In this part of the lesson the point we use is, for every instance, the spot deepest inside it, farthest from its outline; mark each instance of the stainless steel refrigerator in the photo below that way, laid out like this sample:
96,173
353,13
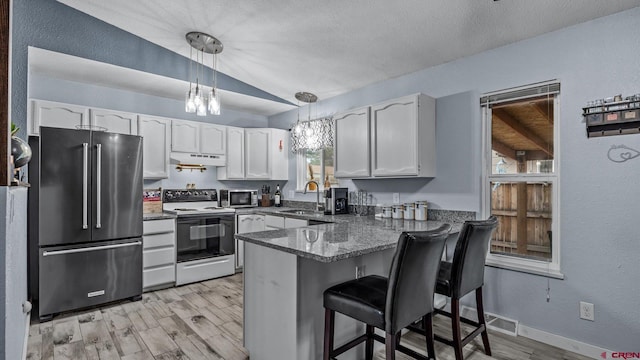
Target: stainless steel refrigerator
85,219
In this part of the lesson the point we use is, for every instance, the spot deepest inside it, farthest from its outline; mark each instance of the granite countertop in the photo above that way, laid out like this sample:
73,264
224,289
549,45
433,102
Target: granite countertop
344,236
158,216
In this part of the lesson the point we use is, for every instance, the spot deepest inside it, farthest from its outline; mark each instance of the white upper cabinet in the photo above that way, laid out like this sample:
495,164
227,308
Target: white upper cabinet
257,152
213,139
403,139
52,114
185,136
279,150
351,144
115,121
235,155
156,133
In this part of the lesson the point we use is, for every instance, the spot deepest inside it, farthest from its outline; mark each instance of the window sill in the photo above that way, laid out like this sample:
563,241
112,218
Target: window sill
524,267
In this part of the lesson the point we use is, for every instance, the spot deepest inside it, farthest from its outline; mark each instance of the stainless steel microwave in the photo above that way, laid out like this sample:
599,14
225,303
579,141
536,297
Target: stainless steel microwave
238,198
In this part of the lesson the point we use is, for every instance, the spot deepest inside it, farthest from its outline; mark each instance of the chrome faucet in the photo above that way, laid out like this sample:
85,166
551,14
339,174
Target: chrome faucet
318,206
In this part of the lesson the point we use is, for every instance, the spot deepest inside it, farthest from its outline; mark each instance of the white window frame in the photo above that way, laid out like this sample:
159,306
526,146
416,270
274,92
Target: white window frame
538,267
301,172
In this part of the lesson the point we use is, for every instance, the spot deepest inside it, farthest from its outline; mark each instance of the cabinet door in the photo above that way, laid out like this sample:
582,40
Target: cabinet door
273,222
351,144
156,133
115,121
394,126
213,139
185,136
258,153
279,154
235,154
52,114
245,224
292,223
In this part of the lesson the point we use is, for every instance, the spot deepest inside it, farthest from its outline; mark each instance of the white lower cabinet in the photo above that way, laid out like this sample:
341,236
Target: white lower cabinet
281,222
158,253
291,223
246,224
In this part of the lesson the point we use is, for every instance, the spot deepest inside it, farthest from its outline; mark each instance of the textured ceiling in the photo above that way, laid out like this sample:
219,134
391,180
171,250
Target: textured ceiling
334,46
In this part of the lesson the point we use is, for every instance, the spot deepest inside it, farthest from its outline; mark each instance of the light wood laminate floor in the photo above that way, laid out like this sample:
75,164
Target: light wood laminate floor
204,321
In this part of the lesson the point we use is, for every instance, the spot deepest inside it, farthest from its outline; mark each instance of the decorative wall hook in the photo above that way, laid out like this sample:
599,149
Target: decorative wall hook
622,153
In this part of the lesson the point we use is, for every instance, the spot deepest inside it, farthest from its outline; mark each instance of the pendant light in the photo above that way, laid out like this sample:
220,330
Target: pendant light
311,134
196,100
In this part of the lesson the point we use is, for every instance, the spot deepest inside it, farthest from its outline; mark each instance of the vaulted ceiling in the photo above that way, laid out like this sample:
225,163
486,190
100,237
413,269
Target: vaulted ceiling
334,46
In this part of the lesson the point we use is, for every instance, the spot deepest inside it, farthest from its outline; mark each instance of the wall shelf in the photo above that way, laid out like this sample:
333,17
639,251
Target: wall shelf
613,118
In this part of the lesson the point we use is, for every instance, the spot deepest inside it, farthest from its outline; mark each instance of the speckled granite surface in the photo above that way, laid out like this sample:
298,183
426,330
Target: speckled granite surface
344,236
158,216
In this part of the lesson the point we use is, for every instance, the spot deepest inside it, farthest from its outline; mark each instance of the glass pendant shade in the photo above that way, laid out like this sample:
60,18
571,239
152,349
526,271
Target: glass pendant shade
214,102
189,104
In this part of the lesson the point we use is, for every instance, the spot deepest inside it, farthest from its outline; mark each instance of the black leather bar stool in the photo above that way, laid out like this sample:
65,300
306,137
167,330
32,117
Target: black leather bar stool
390,303
462,276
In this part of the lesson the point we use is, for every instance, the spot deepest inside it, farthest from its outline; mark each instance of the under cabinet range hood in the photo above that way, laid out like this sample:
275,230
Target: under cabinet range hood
198,159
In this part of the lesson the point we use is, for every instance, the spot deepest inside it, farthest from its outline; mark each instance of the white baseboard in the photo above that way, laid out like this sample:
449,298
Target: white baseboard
26,336
561,342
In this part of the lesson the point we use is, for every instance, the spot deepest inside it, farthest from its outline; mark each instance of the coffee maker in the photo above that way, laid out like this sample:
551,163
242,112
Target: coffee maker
336,201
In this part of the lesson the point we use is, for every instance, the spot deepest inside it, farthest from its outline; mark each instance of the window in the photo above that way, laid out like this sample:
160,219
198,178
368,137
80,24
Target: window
315,165
521,177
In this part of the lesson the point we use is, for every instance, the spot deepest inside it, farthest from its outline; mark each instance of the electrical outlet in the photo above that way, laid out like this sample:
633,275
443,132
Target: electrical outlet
586,311
292,194
396,198
359,271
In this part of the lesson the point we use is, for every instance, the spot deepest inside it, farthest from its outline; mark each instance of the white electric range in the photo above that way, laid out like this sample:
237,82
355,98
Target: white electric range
205,245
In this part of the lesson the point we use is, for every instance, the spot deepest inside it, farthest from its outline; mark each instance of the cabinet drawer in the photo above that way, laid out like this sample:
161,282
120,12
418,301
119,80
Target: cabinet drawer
158,226
157,240
155,257
158,276
192,271
274,221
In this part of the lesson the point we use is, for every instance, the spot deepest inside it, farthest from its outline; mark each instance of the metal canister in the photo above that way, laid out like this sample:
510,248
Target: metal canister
386,212
409,209
421,210
397,212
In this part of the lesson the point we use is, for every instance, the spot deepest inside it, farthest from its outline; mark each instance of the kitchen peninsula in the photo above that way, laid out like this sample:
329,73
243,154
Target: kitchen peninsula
287,270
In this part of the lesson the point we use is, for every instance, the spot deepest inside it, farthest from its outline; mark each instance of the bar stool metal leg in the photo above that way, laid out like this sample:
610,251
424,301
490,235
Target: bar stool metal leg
329,319
427,324
481,321
369,343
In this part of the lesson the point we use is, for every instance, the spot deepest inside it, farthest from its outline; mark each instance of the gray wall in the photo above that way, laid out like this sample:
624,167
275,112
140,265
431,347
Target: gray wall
598,198
13,252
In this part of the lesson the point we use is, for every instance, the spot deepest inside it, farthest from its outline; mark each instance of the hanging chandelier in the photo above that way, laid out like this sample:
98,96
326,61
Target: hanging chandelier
196,101
311,134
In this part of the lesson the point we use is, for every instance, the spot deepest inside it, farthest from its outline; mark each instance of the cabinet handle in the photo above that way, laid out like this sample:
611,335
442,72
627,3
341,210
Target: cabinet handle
85,183
93,248
98,185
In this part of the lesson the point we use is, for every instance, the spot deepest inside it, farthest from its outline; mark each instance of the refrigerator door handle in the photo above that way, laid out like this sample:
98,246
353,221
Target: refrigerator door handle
85,184
93,248
98,184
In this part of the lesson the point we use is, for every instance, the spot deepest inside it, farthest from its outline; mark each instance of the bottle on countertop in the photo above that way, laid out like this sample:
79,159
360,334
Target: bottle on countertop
277,196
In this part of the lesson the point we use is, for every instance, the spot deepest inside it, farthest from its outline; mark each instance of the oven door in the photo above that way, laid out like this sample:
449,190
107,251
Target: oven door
204,236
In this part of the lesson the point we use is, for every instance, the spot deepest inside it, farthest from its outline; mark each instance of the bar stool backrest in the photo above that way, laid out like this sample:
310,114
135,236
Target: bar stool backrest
412,277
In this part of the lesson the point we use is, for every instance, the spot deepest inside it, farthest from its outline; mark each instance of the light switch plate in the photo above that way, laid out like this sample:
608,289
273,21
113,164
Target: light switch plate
292,194
396,198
